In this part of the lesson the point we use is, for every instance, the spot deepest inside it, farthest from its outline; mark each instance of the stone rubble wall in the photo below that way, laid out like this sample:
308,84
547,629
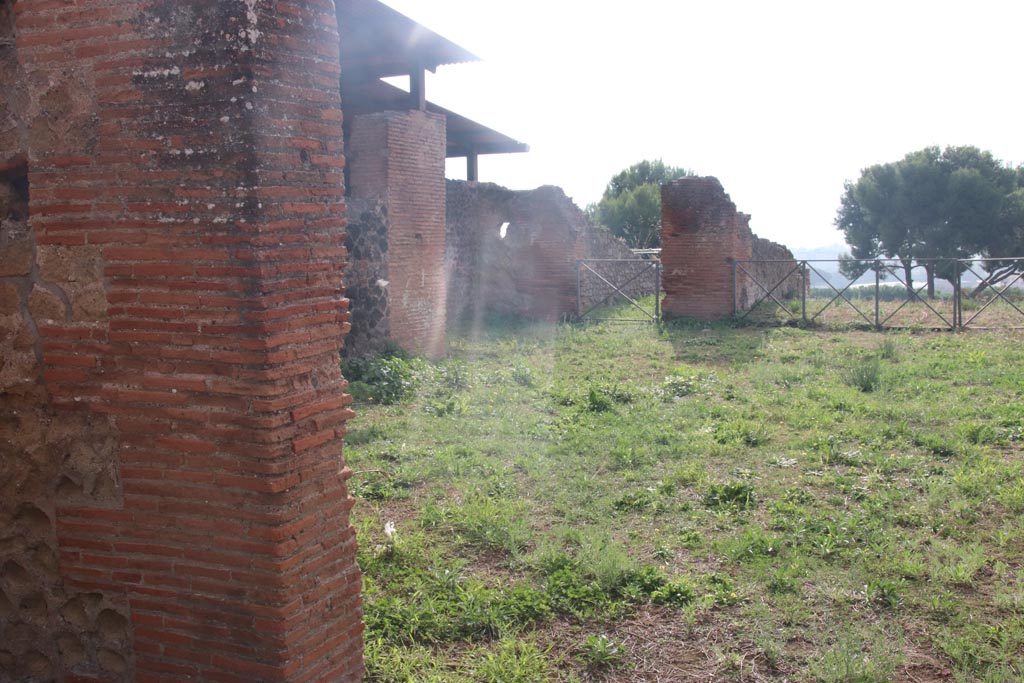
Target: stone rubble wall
366,277
49,630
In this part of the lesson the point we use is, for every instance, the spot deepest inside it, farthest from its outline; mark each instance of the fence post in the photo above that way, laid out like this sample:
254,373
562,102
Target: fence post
958,319
878,293
803,291
657,290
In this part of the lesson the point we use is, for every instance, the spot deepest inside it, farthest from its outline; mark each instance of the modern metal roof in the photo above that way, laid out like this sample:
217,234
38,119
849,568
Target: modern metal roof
465,136
378,42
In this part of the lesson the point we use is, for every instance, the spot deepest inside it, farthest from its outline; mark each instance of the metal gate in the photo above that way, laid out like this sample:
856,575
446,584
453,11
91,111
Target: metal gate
600,282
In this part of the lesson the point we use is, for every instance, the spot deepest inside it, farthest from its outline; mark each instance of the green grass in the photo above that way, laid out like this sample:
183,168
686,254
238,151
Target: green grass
623,502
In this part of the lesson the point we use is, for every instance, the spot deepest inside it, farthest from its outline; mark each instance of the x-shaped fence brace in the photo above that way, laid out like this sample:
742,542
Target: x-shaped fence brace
768,293
1000,294
618,288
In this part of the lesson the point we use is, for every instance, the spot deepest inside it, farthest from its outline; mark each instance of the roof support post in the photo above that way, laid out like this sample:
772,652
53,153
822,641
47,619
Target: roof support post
472,165
418,88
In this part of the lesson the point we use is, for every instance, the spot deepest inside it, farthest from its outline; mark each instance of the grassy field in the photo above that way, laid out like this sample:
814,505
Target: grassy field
627,503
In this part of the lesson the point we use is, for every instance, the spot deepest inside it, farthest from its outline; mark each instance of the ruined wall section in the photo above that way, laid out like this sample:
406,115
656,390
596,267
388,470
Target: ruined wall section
702,233
775,268
529,272
184,306
398,158
547,232
366,277
701,230
480,265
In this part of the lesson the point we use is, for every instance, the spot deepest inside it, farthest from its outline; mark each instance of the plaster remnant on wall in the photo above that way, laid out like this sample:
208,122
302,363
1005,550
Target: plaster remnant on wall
251,33
158,73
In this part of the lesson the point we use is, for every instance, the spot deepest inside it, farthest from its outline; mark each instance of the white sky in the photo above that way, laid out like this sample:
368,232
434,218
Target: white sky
782,101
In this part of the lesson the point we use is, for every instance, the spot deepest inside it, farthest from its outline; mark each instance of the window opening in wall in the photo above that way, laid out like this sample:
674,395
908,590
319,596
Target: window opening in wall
503,230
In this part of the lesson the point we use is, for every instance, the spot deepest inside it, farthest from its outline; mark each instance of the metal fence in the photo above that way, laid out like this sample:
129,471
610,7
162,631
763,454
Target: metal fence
883,297
602,282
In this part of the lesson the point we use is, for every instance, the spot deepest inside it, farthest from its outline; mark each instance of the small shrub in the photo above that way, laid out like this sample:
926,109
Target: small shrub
864,375
382,488
888,349
571,593
746,433
678,593
445,405
722,590
452,374
685,381
883,593
645,581
598,401
525,604
635,501
384,380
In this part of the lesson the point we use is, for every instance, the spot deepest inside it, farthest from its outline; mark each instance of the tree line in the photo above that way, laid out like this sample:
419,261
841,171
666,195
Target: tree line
955,203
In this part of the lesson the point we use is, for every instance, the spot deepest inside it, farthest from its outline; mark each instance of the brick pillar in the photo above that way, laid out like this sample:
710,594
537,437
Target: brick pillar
398,157
205,196
701,230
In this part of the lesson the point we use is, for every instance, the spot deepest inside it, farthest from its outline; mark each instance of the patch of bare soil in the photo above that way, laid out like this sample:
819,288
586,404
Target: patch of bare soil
660,646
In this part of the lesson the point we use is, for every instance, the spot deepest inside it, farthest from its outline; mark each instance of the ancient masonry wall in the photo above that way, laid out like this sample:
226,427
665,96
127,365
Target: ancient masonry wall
366,277
531,271
173,498
702,233
398,159
479,263
772,266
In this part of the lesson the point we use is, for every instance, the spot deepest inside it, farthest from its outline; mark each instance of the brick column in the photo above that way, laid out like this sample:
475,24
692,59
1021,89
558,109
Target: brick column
206,196
398,158
701,230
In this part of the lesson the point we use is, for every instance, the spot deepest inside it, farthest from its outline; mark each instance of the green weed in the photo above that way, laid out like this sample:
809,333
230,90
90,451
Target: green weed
600,651
730,495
